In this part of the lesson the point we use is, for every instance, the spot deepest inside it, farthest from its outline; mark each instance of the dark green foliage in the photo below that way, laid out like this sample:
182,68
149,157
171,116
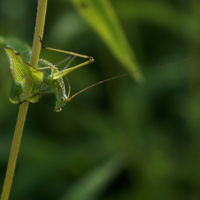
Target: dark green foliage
21,73
153,128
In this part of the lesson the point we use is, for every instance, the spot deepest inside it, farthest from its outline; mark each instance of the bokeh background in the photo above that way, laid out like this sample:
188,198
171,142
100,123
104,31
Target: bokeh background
121,139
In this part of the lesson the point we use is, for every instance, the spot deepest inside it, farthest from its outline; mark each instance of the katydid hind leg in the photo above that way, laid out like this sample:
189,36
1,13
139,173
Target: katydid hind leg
68,70
66,52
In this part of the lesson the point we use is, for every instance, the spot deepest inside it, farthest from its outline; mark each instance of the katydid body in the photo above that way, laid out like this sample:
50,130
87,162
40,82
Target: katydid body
46,73
56,86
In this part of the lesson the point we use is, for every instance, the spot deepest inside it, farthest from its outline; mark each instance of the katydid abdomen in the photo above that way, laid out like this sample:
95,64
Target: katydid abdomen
57,86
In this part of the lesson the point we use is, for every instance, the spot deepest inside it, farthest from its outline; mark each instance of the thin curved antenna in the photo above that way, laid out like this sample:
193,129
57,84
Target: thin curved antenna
115,77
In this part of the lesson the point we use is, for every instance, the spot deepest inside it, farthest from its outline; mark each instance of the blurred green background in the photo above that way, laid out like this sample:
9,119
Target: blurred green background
118,140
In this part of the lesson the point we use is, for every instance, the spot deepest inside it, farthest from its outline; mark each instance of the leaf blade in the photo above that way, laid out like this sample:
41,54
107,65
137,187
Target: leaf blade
16,92
101,16
16,65
93,183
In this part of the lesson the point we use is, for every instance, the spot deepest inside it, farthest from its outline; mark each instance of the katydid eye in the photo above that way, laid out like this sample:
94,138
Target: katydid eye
62,99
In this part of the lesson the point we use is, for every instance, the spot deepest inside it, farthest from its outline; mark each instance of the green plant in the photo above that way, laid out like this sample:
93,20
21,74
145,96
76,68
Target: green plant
154,125
28,78
39,29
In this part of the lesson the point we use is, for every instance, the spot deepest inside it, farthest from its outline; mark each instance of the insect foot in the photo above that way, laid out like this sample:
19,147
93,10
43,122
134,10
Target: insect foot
91,59
42,45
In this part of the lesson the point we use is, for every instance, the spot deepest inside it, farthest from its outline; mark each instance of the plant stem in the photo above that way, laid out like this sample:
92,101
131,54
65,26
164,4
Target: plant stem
39,29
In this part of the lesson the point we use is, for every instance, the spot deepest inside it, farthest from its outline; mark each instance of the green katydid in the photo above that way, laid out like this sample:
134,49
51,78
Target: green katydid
46,73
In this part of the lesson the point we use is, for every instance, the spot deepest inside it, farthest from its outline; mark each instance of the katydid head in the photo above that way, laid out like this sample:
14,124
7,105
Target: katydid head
60,103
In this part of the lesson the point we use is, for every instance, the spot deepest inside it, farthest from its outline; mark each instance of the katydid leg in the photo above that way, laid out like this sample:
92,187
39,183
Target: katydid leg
69,63
67,52
41,92
62,61
66,71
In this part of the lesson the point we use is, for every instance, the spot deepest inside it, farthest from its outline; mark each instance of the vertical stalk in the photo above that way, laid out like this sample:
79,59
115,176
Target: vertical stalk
39,29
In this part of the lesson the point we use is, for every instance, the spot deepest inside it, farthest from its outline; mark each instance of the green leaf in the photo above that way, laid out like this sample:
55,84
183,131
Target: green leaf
101,16
16,66
94,182
35,97
16,91
23,72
